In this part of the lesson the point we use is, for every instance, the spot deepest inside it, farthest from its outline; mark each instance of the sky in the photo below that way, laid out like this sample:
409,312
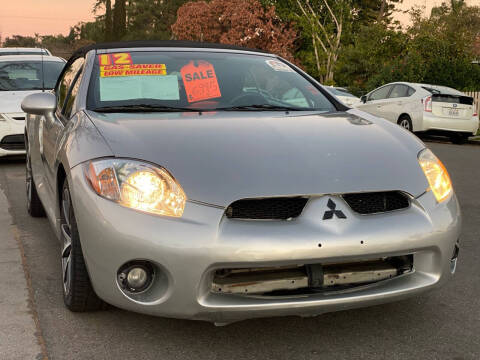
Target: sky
46,17
27,17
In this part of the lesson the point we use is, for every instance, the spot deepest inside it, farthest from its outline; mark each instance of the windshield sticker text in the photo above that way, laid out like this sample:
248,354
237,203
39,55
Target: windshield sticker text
133,70
200,81
279,66
115,59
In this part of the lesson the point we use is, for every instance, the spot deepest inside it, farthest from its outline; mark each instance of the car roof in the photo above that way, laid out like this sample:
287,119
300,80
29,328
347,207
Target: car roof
160,44
32,58
30,49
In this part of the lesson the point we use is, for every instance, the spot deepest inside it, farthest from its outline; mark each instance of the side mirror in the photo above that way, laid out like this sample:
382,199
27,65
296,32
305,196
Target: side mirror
363,99
40,103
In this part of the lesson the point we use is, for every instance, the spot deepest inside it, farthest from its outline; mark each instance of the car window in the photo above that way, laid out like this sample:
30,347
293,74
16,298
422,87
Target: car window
72,95
411,91
23,75
340,92
67,79
399,90
199,79
381,93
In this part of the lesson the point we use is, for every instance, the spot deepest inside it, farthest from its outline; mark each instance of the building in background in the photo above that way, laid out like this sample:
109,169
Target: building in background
426,4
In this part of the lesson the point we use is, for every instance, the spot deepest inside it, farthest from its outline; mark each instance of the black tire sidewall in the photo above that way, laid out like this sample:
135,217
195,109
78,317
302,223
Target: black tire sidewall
81,296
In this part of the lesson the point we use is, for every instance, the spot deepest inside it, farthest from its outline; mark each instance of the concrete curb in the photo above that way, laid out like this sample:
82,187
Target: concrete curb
474,140
20,335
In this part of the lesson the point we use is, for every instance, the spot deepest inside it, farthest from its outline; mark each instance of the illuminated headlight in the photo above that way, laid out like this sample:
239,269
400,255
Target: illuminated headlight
436,174
137,185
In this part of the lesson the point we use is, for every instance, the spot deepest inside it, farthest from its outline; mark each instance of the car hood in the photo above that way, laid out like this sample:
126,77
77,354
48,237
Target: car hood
10,101
222,157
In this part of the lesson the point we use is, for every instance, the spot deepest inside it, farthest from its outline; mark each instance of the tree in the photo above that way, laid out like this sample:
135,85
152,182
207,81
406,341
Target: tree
369,59
152,19
22,41
119,19
238,22
437,50
108,21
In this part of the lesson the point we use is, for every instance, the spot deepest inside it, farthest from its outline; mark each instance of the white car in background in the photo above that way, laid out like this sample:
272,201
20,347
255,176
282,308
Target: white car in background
24,51
434,109
343,95
21,75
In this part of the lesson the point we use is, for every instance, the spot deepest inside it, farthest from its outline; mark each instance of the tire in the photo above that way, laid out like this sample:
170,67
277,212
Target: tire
459,138
78,293
34,204
405,122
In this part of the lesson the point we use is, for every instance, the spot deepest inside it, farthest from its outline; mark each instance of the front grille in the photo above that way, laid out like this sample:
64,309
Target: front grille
13,142
377,202
19,118
267,209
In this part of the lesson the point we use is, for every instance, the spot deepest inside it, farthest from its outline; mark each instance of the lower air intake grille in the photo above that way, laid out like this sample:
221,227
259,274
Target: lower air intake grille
377,202
13,142
267,209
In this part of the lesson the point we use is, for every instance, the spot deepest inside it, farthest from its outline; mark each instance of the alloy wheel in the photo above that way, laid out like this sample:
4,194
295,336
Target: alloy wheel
67,242
28,179
405,124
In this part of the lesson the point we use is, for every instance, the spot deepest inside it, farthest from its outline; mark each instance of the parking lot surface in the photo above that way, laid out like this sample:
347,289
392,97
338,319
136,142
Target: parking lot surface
443,324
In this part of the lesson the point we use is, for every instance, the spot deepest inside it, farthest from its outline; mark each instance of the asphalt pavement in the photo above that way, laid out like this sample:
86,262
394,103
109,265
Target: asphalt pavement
442,324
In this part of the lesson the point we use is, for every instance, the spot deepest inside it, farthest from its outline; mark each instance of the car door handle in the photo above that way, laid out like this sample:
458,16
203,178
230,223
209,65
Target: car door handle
379,106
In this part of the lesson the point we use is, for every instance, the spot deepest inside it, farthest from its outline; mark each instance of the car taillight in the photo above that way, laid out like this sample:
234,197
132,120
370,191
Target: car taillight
475,112
427,104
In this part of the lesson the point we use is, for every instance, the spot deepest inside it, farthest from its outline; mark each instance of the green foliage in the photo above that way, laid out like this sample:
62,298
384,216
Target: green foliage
152,19
119,19
437,50
373,56
21,41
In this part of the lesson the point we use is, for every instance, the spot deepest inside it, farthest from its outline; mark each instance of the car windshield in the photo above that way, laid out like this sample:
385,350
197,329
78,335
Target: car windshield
340,92
187,80
27,75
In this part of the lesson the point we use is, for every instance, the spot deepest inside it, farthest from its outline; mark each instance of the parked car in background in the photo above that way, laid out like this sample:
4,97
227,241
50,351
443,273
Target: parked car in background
212,182
22,75
343,95
24,51
424,108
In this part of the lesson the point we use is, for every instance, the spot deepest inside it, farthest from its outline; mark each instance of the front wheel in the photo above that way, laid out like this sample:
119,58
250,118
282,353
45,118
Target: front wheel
78,293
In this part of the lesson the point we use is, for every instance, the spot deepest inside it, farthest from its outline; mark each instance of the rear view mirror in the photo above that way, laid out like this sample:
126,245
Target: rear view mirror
40,103
363,99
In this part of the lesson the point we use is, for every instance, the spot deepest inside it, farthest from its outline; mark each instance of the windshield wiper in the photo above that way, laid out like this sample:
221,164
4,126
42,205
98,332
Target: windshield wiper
143,108
260,107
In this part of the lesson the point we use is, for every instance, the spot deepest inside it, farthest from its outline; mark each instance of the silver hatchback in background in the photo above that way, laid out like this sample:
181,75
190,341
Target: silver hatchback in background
218,183
434,109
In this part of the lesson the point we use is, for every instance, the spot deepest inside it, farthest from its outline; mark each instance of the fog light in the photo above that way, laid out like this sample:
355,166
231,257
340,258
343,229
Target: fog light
135,276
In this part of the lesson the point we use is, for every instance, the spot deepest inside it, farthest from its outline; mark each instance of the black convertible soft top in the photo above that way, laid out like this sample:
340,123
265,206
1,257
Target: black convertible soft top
159,43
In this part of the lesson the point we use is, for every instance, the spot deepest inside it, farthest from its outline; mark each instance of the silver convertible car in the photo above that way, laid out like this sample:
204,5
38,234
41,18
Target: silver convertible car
219,183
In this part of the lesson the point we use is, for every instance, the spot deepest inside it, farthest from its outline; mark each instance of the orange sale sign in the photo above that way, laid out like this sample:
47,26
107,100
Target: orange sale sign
200,81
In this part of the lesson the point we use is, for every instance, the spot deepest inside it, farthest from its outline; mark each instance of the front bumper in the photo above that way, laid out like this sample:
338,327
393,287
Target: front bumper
188,250
12,125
